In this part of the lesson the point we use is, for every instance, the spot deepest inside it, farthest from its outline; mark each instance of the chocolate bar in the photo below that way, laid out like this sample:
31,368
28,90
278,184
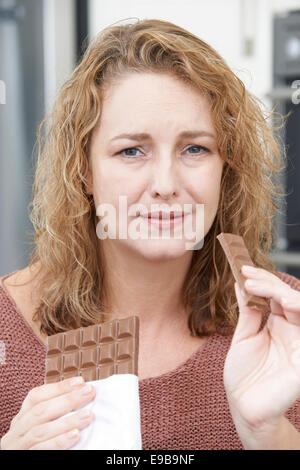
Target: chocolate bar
95,352
238,255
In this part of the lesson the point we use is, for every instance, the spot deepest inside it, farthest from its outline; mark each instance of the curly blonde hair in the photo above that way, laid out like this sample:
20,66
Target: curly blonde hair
71,273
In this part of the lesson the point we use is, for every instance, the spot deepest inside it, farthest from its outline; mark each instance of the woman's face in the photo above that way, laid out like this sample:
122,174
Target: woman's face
160,166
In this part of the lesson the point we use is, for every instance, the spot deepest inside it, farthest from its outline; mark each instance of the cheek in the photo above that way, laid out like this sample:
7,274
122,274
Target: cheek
110,183
206,190
205,185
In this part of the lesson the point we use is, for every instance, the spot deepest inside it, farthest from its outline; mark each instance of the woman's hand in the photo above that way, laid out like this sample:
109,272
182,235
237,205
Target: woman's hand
262,370
37,425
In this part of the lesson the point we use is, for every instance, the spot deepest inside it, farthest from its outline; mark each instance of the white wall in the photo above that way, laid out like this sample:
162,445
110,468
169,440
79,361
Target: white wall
283,5
59,45
221,23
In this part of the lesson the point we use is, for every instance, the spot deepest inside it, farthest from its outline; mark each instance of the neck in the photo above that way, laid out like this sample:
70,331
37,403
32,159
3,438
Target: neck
150,289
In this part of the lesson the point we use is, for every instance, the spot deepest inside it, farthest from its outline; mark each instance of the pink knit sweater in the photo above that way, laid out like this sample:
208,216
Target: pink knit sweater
183,409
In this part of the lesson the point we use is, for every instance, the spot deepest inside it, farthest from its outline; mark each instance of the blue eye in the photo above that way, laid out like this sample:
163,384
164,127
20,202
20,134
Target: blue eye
135,148
125,150
199,147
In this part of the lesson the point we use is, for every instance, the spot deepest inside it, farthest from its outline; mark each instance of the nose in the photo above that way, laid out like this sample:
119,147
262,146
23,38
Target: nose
164,182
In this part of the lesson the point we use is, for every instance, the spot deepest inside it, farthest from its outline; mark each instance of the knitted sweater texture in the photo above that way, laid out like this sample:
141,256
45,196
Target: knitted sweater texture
183,409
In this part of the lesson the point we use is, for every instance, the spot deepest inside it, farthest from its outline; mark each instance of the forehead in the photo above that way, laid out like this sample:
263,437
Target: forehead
150,99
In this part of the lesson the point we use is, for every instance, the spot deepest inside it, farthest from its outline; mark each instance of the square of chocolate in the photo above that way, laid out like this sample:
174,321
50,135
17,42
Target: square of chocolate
95,352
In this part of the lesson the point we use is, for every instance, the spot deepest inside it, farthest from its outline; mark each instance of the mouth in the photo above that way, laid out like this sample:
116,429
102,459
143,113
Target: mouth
164,220
163,216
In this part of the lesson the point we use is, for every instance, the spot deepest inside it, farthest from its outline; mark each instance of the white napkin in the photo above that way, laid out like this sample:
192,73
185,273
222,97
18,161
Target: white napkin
116,407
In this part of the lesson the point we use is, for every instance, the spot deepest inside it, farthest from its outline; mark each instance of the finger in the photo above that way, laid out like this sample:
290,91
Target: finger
62,442
291,311
259,274
48,431
249,320
56,407
290,305
264,288
268,289
47,391
252,272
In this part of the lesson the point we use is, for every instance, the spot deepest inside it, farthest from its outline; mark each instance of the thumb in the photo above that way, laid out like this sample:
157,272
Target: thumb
249,320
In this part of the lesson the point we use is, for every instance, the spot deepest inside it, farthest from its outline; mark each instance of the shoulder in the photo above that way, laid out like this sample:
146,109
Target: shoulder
19,299
21,287
19,279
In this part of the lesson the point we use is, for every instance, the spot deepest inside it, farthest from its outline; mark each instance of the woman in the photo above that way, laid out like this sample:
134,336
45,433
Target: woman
202,140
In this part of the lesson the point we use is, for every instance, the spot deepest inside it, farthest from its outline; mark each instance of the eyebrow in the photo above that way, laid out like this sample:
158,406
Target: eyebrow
143,136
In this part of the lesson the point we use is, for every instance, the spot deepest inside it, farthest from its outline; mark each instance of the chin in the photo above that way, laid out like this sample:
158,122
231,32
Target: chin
160,249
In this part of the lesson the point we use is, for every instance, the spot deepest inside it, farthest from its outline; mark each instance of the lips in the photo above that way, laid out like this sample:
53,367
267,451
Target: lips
163,215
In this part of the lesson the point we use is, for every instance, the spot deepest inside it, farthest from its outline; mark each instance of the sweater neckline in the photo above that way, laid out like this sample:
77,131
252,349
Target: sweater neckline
166,375
183,366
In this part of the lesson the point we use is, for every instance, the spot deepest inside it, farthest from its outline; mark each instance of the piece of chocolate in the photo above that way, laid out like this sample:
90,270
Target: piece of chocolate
238,255
95,352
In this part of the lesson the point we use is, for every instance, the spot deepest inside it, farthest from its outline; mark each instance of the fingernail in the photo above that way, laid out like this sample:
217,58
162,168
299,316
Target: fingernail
76,381
73,433
87,390
83,414
249,269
